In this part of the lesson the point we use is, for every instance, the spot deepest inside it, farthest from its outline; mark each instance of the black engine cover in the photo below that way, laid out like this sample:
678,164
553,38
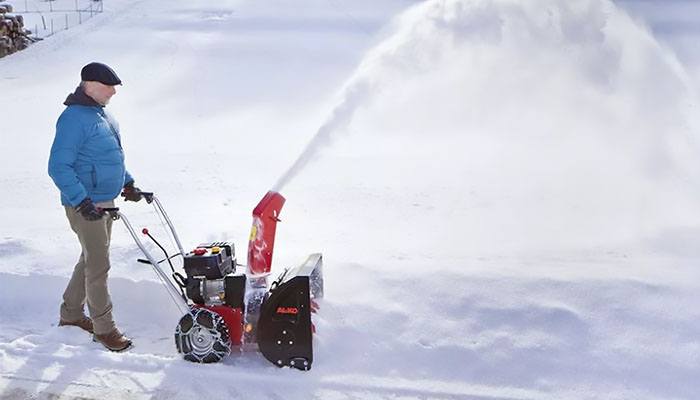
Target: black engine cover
211,265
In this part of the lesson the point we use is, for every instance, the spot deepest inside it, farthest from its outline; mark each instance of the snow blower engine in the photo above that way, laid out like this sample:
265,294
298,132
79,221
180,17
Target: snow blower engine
226,309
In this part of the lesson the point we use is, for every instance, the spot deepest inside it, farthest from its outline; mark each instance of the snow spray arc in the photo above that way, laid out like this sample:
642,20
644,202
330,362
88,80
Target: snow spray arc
340,118
405,50
529,76
355,93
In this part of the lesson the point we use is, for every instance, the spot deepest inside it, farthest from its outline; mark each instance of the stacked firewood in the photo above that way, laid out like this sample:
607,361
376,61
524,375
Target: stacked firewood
13,35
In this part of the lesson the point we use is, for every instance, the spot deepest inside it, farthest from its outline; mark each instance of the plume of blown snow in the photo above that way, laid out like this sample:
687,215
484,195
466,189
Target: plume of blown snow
559,123
339,119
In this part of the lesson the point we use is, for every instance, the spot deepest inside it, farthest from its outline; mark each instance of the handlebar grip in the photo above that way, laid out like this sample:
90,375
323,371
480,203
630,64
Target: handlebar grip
146,195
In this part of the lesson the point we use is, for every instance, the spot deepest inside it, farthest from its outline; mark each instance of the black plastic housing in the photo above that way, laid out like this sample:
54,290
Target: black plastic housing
284,330
211,266
234,287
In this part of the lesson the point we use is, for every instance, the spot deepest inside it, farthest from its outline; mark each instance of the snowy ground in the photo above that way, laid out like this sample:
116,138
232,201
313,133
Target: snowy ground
505,195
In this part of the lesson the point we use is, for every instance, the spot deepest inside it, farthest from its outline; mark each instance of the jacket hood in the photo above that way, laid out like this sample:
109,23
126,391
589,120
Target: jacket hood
80,98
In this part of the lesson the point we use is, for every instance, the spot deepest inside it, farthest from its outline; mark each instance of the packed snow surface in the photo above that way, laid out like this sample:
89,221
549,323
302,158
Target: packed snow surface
505,193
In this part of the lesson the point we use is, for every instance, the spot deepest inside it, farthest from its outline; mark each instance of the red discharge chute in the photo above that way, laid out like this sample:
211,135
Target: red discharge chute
262,234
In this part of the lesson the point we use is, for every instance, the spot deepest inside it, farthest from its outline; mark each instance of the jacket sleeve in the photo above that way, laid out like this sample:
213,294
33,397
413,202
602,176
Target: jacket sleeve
128,178
64,152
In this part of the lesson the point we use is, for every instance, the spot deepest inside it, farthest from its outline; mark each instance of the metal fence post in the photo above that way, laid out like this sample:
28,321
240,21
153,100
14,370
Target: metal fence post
49,29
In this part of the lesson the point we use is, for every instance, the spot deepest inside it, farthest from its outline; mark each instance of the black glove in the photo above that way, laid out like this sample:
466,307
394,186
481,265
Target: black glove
131,193
87,209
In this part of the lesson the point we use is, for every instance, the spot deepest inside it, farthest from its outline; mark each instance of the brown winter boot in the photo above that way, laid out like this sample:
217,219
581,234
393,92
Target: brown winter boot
83,323
113,340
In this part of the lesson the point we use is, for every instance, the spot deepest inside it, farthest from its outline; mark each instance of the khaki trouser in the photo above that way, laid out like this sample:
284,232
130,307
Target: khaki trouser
89,280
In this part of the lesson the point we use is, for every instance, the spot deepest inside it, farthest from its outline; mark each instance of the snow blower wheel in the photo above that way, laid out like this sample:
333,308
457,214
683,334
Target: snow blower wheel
202,336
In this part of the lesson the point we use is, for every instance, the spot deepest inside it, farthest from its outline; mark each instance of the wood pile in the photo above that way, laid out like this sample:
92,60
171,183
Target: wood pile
13,35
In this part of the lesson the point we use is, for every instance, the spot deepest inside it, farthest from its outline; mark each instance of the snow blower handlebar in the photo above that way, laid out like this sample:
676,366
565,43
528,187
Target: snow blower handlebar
175,294
151,198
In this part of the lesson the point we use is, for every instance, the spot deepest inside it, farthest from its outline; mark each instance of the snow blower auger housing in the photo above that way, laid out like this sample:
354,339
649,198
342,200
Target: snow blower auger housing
226,309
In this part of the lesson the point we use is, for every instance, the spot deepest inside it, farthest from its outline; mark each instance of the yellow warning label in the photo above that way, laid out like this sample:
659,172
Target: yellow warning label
253,233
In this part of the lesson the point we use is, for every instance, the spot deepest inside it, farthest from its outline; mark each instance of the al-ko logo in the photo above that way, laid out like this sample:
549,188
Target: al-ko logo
287,310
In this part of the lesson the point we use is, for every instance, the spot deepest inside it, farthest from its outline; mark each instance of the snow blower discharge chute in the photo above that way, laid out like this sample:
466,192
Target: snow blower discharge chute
226,309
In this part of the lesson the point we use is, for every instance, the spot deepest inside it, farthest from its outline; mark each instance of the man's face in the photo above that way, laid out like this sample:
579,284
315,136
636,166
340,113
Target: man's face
99,92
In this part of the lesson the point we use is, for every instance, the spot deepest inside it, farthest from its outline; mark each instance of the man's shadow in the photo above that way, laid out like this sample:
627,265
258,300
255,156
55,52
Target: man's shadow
55,360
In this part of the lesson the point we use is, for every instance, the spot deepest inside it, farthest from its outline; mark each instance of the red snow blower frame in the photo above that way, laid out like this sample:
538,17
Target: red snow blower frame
229,310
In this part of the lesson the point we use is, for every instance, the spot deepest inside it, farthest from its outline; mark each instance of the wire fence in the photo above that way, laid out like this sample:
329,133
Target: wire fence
47,17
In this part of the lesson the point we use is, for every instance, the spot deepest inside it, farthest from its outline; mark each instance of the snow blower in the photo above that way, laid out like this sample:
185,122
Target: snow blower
226,309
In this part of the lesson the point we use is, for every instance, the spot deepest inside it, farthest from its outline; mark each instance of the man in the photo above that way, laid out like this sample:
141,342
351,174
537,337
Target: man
87,166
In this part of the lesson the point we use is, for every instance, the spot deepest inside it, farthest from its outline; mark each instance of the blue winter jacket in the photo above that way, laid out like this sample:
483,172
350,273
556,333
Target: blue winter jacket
87,159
